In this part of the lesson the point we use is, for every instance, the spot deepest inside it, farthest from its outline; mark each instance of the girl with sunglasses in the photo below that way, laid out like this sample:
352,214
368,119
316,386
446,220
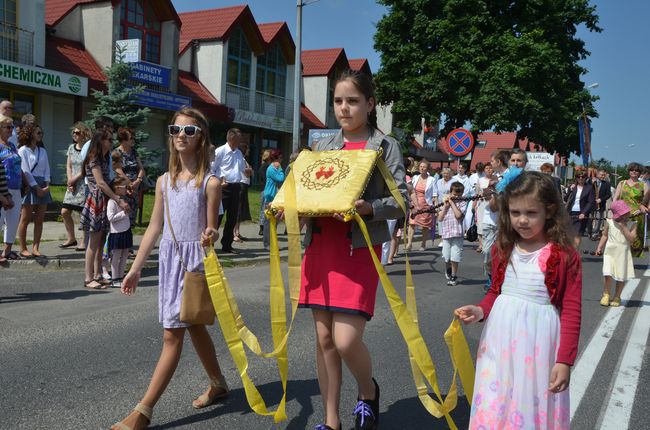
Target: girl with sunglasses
75,193
636,194
36,169
188,223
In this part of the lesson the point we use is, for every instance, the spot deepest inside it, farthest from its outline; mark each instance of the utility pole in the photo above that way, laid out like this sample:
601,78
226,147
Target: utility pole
297,78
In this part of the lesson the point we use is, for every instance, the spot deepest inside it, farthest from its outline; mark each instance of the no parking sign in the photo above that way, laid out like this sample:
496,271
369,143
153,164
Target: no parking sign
461,142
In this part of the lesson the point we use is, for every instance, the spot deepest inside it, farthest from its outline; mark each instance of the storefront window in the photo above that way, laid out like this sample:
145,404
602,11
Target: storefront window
239,59
138,20
23,102
272,72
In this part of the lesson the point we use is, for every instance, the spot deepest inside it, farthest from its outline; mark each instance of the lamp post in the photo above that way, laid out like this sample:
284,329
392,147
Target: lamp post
297,73
587,130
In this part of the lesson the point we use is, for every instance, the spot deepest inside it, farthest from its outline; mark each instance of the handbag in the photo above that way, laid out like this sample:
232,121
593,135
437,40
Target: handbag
26,188
472,232
196,305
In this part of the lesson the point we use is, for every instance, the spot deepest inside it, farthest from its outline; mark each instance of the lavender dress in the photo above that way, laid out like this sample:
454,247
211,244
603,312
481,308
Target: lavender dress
187,210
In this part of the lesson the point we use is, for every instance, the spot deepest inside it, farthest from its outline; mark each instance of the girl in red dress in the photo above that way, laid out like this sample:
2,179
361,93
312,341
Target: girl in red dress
339,280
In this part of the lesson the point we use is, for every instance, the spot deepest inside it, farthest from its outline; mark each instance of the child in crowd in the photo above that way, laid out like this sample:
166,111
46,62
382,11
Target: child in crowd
185,209
615,246
527,347
120,238
451,230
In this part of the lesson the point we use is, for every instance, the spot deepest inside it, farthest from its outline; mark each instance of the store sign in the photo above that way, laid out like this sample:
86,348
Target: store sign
316,135
151,73
536,159
160,100
128,50
262,121
46,79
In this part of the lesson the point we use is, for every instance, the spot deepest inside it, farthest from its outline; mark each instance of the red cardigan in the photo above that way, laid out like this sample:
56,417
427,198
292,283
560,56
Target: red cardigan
563,279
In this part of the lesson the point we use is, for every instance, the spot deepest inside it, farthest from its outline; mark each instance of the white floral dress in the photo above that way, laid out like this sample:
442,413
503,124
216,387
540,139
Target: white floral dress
517,351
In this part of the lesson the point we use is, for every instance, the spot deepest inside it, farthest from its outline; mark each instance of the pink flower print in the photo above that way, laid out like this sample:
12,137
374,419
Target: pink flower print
540,420
537,351
517,419
485,373
513,346
528,360
477,399
536,401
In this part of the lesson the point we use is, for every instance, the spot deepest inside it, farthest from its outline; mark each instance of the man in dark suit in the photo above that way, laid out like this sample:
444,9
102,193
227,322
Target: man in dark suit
603,191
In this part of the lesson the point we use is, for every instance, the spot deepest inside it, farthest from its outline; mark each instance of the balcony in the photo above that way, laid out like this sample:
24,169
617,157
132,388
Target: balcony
238,97
16,44
271,105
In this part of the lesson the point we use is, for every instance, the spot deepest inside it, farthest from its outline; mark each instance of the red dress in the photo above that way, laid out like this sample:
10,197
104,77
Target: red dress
334,276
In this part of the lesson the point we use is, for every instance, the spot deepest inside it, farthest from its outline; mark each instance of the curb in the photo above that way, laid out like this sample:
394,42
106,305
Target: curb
57,263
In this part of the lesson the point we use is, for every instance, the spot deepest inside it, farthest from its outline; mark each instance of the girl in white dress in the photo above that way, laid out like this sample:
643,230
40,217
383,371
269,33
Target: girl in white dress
618,235
532,313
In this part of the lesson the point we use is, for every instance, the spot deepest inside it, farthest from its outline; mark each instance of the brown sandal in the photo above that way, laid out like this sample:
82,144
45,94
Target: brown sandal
205,400
143,410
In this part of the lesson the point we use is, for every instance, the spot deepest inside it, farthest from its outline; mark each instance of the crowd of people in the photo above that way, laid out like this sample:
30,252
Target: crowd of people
528,226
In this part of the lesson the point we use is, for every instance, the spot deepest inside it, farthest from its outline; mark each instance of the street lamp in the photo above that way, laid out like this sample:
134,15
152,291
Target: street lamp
297,75
585,121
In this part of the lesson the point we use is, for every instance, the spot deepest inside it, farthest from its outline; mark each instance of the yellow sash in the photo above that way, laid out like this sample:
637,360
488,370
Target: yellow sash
237,334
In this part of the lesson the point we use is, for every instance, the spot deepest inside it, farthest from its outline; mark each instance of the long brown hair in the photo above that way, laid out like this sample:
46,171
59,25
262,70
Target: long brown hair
95,149
541,187
203,150
26,134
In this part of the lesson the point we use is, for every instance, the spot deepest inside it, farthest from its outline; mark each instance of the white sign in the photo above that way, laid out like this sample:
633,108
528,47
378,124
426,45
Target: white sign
46,79
130,50
536,159
262,121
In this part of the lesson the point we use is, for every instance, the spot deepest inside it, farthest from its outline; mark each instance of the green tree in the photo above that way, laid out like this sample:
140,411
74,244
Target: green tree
117,103
499,65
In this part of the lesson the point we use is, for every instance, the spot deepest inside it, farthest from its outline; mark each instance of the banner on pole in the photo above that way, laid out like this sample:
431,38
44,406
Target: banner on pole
584,132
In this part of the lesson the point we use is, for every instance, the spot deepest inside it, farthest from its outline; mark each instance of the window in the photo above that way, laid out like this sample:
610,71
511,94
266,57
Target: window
138,20
23,102
8,30
272,72
239,59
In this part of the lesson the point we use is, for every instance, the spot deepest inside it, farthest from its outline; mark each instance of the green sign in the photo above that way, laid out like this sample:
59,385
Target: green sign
46,79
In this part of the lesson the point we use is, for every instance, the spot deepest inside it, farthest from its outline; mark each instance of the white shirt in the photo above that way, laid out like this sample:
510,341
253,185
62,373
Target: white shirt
117,217
228,164
474,178
576,203
429,188
29,166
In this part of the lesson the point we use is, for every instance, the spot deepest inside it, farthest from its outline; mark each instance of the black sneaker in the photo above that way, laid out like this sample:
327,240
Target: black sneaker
326,427
448,273
453,281
367,412
261,233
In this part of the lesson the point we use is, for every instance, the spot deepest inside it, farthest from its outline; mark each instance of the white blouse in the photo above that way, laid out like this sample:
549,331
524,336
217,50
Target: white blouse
34,163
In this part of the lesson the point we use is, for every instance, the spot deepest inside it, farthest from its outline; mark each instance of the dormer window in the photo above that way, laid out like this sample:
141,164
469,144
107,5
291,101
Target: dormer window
138,20
272,72
239,59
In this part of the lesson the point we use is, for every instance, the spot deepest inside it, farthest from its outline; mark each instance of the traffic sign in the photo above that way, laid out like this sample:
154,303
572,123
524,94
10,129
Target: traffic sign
461,142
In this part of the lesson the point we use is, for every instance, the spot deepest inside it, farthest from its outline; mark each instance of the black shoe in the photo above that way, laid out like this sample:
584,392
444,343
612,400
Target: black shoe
229,251
326,427
242,238
367,412
453,281
448,273
261,233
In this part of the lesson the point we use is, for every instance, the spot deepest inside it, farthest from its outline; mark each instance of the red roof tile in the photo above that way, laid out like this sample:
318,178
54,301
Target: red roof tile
216,24
279,31
56,10
309,119
270,29
360,64
71,57
202,99
320,62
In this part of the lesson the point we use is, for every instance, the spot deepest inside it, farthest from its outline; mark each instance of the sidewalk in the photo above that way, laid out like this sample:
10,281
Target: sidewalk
250,252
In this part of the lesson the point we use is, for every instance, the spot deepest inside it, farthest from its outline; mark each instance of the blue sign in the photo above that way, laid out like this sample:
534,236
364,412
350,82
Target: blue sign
151,73
159,100
461,142
316,135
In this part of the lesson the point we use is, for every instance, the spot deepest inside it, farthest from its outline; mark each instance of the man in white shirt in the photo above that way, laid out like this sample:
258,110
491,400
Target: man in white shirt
229,166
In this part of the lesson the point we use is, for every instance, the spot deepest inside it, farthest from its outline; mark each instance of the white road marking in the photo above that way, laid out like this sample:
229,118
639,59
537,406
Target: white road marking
585,367
619,407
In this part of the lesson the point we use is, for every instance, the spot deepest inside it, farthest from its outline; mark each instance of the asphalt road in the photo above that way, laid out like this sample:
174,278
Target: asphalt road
73,358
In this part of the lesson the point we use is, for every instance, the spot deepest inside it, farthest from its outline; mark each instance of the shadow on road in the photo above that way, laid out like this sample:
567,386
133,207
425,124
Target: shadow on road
410,414
61,295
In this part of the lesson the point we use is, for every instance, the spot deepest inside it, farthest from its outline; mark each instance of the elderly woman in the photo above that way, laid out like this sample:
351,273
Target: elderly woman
127,163
580,202
10,215
423,195
636,194
76,187
36,168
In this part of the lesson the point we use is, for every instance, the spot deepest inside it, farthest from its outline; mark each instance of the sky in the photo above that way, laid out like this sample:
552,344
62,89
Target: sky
619,60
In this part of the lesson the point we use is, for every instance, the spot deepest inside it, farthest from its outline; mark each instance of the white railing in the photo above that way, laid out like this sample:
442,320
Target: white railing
16,44
271,105
238,97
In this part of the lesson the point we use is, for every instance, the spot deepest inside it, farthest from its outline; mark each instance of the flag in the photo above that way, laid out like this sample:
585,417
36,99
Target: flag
584,132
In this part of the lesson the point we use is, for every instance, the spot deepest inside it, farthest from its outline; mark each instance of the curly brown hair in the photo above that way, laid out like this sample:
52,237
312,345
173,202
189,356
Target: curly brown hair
26,133
542,188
